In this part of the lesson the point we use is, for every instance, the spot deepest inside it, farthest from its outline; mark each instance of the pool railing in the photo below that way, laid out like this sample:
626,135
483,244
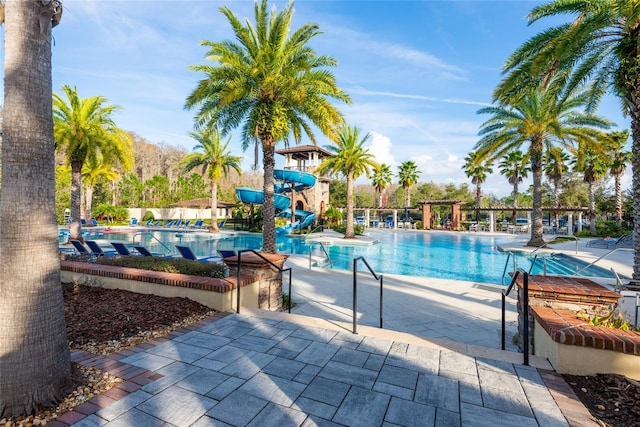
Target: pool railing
380,278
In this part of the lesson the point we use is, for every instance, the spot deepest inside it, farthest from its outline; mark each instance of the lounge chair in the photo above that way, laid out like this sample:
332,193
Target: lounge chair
133,222
143,251
149,223
625,241
97,250
80,248
121,249
94,222
83,222
198,224
187,253
222,223
226,253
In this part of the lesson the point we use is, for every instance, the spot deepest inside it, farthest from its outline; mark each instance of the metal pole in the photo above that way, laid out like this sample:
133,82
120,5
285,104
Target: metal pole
504,307
381,299
637,304
355,296
525,320
289,290
238,284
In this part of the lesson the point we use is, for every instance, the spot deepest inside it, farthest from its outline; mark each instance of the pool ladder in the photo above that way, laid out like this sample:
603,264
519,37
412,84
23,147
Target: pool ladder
324,250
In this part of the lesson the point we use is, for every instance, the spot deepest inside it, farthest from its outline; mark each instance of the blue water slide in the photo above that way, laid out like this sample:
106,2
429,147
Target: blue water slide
300,180
256,197
288,180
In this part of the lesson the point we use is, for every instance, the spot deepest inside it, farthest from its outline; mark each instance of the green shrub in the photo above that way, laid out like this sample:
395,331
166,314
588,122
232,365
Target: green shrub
147,216
357,229
168,265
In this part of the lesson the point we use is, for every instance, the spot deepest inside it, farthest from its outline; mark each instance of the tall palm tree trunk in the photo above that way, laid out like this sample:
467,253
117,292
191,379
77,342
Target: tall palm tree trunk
34,356
635,181
268,208
592,209
515,202
349,232
556,201
536,170
214,208
75,227
478,200
618,190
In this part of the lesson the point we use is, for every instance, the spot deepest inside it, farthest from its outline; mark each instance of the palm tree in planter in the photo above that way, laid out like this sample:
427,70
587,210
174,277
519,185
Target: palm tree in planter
84,130
514,167
380,179
555,166
216,162
408,176
477,169
35,366
350,159
270,80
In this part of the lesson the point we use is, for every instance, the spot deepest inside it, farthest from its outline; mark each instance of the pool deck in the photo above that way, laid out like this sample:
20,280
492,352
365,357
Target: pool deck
436,362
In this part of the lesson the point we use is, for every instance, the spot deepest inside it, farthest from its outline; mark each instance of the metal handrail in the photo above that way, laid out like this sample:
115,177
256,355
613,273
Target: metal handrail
153,237
504,272
315,228
525,311
355,290
323,250
604,256
281,270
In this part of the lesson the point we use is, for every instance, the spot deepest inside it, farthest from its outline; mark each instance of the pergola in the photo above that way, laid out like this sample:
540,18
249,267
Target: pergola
427,218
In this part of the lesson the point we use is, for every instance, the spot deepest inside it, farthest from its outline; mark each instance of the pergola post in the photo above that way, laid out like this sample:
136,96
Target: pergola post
426,216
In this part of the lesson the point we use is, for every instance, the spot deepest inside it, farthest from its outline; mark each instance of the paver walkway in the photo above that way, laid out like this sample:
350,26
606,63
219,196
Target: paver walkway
274,369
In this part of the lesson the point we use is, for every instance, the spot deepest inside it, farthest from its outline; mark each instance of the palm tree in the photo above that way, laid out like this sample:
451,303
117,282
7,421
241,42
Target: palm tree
600,45
84,130
593,167
274,84
380,179
94,171
35,367
555,166
352,160
543,117
477,169
618,160
408,176
514,167
214,159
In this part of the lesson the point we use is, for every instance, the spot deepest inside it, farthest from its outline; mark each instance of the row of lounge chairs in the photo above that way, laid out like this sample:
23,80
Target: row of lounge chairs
95,250
197,224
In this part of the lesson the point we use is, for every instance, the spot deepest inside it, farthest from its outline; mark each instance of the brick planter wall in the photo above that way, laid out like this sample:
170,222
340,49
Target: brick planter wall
269,277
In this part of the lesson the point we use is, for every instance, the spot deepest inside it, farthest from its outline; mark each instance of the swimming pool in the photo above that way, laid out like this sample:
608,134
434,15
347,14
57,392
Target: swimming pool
458,256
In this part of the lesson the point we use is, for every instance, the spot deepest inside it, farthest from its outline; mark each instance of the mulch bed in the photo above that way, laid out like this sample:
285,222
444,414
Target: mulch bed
614,400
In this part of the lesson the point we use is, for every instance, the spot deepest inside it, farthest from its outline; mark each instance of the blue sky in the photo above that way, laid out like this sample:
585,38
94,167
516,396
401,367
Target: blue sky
417,71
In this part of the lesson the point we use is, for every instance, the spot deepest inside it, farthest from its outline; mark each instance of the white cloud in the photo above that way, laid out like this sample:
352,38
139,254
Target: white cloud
380,148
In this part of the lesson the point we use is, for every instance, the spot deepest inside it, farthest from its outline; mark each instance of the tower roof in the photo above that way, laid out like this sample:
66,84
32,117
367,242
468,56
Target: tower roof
302,151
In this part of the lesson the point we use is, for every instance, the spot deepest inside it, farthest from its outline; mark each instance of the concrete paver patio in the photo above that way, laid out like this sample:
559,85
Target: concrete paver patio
283,370
436,363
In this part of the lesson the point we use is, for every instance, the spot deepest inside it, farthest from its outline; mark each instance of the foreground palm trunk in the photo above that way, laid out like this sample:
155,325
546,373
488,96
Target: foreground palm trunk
349,232
268,208
635,185
214,208
34,357
536,169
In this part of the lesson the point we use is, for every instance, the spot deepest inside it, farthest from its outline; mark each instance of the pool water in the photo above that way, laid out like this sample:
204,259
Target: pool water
457,256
